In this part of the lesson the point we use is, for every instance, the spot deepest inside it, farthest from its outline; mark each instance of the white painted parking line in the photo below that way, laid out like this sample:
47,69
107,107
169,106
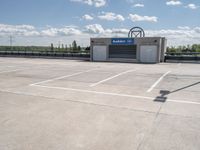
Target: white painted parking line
62,77
157,82
112,77
9,71
115,94
184,102
94,92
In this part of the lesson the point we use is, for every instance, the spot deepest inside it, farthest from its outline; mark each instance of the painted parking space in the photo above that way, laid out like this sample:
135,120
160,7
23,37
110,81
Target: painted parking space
54,98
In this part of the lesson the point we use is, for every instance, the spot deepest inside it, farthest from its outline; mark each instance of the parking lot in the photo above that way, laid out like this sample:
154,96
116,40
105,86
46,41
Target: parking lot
59,104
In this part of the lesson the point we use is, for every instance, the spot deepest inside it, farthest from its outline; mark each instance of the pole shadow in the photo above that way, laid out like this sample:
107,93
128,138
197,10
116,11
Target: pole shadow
164,93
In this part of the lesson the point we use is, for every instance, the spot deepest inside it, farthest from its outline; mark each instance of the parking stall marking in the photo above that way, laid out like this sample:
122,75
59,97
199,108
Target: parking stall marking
157,82
9,71
62,77
116,94
112,77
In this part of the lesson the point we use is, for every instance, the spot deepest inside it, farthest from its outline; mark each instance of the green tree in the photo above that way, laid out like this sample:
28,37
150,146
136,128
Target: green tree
66,48
52,48
70,48
74,45
172,49
79,49
63,47
87,49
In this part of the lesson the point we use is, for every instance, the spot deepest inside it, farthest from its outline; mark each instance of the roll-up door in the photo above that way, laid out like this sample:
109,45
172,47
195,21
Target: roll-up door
122,51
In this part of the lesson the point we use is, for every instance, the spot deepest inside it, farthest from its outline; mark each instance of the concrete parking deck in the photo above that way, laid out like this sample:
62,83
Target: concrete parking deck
70,105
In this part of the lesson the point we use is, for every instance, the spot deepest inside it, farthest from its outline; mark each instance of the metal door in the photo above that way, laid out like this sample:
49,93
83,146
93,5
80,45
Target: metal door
148,53
99,53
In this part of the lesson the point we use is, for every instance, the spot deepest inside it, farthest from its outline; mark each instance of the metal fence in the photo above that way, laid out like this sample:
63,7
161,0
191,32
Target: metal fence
44,54
183,56
187,56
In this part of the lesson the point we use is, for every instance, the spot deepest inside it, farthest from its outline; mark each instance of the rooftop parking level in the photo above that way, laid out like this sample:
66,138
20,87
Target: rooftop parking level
70,104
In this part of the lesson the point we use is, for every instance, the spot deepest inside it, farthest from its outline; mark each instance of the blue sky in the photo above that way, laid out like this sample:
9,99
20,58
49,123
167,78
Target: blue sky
41,22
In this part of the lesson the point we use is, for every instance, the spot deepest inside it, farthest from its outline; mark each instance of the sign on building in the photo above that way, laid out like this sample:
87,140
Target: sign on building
122,41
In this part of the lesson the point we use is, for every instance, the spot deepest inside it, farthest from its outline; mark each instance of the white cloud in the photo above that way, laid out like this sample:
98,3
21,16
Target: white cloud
87,17
192,6
66,31
180,36
30,35
94,29
96,3
20,30
27,27
183,35
121,30
49,32
197,29
69,31
28,30
177,37
183,27
110,16
173,3
138,5
135,18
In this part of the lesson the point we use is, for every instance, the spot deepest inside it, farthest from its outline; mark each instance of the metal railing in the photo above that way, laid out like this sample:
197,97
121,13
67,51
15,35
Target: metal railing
183,56
43,53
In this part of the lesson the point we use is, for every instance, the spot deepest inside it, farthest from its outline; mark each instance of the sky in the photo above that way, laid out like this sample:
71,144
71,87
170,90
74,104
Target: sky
42,22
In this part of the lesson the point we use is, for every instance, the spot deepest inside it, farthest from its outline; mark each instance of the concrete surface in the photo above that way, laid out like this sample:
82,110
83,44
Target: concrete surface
49,104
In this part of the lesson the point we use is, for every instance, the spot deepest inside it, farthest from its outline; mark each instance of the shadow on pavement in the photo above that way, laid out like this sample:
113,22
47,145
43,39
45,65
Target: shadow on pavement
163,93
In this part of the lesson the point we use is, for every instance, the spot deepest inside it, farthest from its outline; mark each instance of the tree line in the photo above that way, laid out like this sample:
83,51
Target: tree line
71,48
184,49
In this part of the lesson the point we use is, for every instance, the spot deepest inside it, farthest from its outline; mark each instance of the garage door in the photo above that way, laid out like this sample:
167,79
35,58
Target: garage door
122,51
148,53
99,53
